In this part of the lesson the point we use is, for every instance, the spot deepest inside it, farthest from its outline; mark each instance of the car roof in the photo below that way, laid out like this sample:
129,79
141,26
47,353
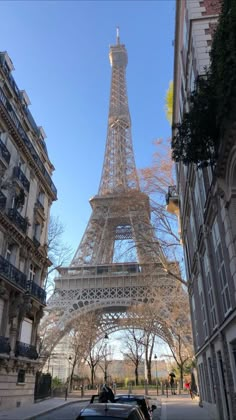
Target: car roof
131,396
107,409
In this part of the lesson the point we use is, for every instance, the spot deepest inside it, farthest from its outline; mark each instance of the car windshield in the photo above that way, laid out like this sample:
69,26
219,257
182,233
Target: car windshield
101,417
125,400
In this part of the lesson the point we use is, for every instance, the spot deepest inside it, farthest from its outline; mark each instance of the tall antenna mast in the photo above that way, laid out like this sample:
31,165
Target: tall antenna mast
117,35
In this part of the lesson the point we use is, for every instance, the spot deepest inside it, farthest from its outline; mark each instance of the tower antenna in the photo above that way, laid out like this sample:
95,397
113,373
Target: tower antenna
117,35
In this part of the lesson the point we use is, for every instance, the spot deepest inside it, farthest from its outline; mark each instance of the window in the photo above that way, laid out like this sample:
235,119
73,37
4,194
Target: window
224,287
21,376
32,272
37,231
41,197
210,293
203,307
212,380
202,381
201,185
2,303
233,360
8,253
26,331
195,322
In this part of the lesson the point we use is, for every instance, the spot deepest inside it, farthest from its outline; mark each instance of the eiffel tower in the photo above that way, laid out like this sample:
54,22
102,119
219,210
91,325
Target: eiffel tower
120,213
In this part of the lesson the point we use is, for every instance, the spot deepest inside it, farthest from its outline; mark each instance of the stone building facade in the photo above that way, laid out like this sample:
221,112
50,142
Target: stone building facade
26,194
207,205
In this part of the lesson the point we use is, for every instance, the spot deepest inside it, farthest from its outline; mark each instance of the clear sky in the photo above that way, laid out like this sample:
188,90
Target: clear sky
60,53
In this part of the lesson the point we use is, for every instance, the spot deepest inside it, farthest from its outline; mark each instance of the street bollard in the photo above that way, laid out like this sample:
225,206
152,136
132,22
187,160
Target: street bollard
82,390
66,393
162,388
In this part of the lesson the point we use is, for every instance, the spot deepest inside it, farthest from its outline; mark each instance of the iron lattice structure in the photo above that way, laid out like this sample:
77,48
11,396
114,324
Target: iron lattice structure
120,211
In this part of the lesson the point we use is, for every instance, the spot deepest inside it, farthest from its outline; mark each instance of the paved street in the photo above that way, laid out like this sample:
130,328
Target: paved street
175,407
69,412
182,407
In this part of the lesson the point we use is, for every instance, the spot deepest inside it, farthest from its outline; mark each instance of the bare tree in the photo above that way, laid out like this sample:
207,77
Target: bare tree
59,253
134,342
94,357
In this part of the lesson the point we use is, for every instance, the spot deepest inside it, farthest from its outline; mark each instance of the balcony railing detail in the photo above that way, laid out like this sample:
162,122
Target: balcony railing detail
3,200
36,291
17,219
11,273
26,350
4,152
17,173
25,139
4,345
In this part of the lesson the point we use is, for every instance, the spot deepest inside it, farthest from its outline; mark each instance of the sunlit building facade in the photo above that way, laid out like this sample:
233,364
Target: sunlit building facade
26,194
207,205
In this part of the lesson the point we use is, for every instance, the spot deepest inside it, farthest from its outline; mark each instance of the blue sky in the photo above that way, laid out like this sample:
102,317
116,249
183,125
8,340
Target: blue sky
60,53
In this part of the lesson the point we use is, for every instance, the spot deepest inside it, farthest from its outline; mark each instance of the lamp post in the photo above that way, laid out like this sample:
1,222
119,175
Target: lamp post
105,370
69,381
155,357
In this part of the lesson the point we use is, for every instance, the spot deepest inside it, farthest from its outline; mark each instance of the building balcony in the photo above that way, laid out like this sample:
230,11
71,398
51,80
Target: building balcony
172,200
26,350
17,219
4,153
18,174
3,201
24,138
11,273
4,345
36,291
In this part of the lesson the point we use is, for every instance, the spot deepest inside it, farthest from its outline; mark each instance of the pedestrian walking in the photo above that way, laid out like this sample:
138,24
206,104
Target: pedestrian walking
189,388
172,383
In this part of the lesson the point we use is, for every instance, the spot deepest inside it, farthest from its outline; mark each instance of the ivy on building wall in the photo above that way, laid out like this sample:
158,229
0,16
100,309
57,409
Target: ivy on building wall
213,101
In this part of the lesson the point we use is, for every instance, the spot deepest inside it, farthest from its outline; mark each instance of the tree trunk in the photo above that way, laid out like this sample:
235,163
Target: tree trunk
149,373
181,371
92,375
136,375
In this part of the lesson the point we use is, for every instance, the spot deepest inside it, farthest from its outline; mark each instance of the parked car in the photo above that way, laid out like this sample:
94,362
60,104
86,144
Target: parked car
139,400
110,411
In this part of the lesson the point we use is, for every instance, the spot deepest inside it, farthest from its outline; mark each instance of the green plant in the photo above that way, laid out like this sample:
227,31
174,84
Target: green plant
212,103
56,382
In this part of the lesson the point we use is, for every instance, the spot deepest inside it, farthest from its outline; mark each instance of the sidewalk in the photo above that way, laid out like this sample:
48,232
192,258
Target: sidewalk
31,411
182,407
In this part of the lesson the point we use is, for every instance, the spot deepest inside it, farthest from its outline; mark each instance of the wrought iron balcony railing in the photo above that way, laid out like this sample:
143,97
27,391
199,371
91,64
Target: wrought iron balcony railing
26,141
26,350
11,273
3,200
4,345
17,219
17,173
4,152
36,291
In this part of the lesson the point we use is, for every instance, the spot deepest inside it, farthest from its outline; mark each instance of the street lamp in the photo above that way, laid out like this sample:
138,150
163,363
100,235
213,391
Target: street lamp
155,357
69,381
105,370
